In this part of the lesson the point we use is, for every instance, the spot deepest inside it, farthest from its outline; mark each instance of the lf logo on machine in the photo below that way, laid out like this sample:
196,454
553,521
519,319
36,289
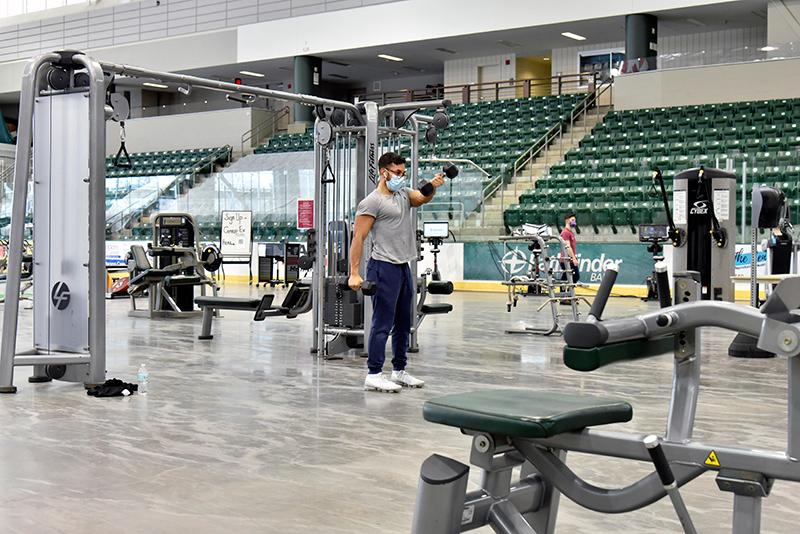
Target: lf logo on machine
700,207
60,295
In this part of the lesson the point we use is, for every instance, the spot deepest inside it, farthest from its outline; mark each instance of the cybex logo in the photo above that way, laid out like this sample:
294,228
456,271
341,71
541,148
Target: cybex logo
700,207
60,295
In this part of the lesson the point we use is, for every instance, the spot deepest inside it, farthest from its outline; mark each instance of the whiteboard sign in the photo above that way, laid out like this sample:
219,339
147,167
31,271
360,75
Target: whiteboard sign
236,234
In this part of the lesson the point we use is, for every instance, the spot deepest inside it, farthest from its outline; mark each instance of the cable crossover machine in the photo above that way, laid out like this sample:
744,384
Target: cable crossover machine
66,98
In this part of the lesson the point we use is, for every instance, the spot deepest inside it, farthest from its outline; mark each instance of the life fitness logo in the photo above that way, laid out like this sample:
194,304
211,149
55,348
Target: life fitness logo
700,207
60,295
372,175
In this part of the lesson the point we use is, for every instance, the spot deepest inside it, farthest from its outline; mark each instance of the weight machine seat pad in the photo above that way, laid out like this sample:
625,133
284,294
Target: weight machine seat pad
580,359
182,280
228,303
437,308
151,276
437,287
525,414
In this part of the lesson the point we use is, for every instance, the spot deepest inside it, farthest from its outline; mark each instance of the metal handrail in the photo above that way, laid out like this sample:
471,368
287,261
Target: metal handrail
581,107
473,164
179,178
7,172
467,90
272,121
456,160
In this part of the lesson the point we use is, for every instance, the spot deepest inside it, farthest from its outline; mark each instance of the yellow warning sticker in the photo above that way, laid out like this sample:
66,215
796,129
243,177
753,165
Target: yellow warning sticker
712,459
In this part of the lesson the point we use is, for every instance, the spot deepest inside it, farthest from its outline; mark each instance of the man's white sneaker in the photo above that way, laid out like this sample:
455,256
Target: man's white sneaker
378,382
406,380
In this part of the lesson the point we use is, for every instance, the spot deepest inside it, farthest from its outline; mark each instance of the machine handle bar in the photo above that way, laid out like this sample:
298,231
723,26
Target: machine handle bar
603,292
671,320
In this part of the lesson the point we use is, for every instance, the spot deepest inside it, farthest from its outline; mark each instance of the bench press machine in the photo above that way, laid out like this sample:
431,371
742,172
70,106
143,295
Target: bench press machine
535,430
297,301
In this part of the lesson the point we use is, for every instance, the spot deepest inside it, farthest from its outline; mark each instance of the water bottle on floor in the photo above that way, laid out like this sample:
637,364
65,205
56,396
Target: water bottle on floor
144,379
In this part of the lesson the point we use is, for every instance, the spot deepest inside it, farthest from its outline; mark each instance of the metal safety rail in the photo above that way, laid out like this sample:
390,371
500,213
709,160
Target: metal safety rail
554,134
127,215
263,131
488,91
484,186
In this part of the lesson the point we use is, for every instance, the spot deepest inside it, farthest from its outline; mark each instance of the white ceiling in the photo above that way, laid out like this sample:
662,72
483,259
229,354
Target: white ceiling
422,57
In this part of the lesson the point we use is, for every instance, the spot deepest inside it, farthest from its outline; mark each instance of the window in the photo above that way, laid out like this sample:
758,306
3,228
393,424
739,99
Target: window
12,8
606,63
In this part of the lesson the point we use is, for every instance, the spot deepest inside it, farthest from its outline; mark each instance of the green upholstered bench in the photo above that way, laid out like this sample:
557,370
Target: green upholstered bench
525,414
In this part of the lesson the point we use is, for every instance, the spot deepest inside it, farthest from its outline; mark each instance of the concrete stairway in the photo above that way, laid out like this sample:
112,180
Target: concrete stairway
491,226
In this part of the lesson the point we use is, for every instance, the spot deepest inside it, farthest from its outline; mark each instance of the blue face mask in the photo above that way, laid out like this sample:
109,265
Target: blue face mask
573,224
396,183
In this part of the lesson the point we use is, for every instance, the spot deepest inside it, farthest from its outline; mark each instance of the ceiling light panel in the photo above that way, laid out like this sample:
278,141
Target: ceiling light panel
573,36
388,57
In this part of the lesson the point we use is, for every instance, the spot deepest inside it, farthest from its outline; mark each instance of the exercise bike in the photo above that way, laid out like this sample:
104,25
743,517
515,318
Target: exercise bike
536,430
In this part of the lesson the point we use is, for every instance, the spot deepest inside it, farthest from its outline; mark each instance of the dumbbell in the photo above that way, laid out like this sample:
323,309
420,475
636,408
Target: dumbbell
367,288
449,170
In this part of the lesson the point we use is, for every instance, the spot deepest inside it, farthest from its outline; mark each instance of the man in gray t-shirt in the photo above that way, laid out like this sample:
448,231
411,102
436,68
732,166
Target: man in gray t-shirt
386,214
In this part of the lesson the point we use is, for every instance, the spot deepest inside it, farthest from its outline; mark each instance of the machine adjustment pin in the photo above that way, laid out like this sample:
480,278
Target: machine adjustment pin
789,341
482,444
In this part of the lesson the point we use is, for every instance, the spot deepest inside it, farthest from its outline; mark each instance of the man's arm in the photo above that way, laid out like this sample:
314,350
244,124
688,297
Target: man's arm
572,254
416,197
360,232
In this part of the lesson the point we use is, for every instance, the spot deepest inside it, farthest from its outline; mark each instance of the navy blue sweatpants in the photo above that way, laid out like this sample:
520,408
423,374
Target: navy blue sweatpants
391,313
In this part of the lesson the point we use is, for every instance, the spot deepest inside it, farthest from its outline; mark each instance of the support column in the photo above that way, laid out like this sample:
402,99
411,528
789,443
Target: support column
307,80
641,42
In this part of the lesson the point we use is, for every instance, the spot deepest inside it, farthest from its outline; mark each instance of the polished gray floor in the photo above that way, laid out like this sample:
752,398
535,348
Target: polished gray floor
250,433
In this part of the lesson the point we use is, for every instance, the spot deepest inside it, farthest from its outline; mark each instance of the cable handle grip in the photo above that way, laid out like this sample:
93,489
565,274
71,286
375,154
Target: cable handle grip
662,285
653,445
604,291
660,462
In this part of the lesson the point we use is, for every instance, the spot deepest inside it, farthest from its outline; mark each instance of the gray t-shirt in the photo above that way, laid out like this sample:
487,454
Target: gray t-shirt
393,232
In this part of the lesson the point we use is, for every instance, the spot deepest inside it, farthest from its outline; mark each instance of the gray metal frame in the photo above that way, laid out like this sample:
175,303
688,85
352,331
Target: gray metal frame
545,281
529,504
722,262
376,129
157,293
366,116
87,366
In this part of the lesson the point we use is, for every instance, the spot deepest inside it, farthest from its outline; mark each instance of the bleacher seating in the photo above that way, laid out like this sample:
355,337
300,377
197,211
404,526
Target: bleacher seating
606,180
492,134
288,143
169,162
